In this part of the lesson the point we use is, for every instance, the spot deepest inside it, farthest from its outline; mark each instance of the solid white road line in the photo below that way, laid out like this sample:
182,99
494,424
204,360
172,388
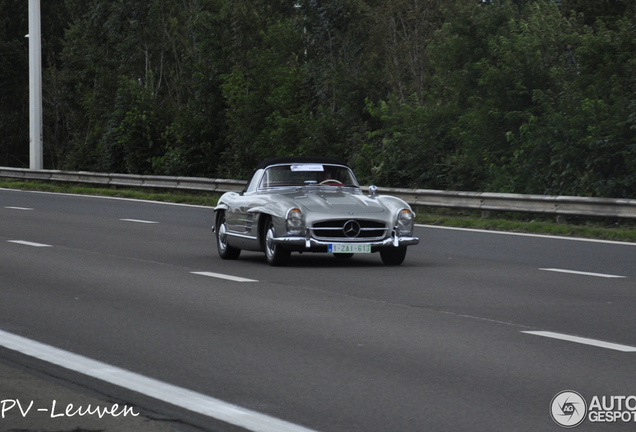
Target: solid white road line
28,243
603,275
18,208
581,340
224,276
174,395
139,221
544,236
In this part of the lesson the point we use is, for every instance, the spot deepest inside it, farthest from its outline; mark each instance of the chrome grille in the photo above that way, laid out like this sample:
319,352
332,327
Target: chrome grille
348,229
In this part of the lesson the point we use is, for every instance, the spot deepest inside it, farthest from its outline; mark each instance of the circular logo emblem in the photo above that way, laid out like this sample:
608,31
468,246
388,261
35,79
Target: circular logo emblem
351,229
568,409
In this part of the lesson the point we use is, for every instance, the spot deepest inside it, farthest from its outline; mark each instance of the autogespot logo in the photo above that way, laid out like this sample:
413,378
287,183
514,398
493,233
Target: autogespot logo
568,409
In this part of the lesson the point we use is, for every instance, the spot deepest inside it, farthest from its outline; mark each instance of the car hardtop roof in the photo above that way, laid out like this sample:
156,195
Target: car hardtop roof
299,160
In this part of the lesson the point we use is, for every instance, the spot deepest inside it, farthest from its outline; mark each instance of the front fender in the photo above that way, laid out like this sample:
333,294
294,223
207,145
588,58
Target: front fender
393,204
223,203
221,206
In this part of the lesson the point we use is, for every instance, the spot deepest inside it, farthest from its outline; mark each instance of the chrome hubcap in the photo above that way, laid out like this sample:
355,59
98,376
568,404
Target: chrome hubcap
222,237
269,242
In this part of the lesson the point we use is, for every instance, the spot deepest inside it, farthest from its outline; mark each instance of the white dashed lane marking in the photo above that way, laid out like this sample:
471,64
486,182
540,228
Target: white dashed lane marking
28,243
581,273
224,276
139,221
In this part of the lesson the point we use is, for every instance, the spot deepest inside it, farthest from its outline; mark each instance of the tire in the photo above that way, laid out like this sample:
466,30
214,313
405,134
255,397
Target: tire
394,256
275,254
226,251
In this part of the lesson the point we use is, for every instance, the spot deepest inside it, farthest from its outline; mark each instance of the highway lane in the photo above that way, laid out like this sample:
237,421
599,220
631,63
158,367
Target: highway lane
435,344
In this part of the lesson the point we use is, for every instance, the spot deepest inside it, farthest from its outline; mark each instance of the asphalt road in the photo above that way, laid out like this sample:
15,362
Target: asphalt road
447,341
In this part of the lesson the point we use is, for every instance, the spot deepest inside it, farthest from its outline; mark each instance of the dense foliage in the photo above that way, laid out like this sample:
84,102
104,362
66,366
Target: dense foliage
528,96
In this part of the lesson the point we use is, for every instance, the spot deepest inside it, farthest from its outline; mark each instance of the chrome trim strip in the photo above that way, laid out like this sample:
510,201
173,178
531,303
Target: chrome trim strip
245,236
336,228
358,239
312,242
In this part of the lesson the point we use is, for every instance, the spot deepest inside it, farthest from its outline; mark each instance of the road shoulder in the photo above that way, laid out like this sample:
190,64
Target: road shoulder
31,401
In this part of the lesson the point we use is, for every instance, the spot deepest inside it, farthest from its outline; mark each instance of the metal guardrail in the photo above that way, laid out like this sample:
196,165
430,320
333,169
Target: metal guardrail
546,204
484,201
125,180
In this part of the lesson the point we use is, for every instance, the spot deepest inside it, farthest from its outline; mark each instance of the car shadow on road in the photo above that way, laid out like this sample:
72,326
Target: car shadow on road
321,260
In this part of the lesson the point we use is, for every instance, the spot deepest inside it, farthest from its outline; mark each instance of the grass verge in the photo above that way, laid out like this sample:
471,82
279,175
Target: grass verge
180,197
605,229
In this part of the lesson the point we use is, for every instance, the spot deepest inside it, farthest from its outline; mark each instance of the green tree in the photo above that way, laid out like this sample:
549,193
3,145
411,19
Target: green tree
14,84
342,72
143,83
451,133
502,95
585,139
264,89
402,32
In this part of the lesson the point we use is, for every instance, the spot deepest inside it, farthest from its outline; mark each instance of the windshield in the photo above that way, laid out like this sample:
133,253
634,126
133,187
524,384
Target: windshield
306,174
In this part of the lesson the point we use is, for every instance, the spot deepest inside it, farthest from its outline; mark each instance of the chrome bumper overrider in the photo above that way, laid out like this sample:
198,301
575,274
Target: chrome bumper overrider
310,243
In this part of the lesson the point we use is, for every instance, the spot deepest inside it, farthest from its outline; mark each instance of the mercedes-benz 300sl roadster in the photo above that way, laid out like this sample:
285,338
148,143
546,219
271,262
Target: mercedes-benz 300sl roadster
311,205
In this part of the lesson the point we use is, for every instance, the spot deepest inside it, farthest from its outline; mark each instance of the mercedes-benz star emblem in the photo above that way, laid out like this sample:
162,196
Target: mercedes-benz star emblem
351,229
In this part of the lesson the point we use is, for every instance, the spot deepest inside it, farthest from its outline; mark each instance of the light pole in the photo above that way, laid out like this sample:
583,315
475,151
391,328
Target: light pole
35,86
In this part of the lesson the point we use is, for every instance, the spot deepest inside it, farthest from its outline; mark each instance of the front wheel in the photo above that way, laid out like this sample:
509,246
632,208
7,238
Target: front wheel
394,256
275,254
225,250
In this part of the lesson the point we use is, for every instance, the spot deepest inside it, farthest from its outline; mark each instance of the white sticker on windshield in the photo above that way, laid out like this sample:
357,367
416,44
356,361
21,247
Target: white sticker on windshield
307,167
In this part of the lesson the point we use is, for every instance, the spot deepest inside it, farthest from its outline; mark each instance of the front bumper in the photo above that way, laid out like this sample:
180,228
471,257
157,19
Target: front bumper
299,243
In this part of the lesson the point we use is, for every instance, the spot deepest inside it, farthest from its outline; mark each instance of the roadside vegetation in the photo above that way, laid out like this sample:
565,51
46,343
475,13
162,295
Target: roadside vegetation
606,229
523,96
177,197
600,228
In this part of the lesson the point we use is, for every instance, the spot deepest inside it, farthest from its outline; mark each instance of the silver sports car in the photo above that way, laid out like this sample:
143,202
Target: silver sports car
311,205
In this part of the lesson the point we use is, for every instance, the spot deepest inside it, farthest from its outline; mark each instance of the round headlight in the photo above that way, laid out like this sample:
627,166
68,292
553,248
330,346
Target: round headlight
295,222
405,222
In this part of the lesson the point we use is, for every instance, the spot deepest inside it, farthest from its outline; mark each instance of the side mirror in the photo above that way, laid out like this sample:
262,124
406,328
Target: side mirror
373,190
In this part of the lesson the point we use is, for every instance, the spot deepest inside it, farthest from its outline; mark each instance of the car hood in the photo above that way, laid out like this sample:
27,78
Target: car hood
334,202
